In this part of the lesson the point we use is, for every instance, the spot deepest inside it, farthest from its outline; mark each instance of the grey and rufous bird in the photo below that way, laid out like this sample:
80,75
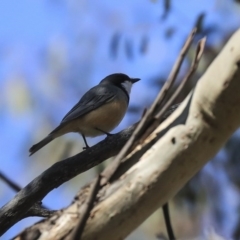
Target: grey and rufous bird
98,112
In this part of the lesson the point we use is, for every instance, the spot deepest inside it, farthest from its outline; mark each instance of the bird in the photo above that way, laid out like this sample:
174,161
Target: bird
98,112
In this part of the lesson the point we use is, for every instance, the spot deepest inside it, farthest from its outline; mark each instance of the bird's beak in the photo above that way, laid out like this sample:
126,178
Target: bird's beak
134,80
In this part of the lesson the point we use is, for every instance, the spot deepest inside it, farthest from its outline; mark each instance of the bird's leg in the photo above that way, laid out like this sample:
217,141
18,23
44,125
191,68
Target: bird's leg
85,141
108,134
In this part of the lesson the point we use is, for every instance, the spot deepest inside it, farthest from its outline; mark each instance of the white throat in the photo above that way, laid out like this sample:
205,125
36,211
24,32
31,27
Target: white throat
127,85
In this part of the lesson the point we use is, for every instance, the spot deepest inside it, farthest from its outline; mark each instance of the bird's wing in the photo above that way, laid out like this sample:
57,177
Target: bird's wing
94,98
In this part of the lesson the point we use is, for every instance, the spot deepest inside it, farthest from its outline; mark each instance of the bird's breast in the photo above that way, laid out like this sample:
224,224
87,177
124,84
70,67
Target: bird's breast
105,118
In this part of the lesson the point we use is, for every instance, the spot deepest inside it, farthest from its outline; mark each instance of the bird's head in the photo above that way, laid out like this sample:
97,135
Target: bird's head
120,80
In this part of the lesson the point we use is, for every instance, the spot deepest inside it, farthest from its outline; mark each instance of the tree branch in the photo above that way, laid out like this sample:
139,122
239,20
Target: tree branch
10,183
37,210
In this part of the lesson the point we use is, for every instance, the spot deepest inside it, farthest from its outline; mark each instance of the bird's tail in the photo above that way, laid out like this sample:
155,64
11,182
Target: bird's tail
41,144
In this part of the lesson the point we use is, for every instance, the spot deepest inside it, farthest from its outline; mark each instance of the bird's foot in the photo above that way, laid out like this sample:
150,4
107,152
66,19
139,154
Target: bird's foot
85,148
109,134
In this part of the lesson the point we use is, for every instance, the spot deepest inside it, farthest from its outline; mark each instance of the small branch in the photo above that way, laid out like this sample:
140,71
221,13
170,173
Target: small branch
77,232
198,55
37,210
10,183
166,215
13,185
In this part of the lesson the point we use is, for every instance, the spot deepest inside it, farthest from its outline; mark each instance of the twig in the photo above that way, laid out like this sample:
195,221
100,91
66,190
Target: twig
198,55
37,210
168,222
149,114
77,232
17,188
10,183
